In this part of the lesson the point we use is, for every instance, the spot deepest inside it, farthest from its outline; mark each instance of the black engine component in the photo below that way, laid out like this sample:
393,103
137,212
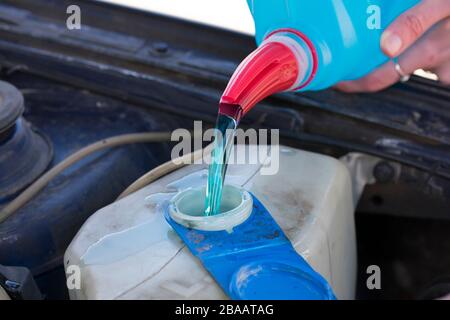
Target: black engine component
24,152
19,283
37,235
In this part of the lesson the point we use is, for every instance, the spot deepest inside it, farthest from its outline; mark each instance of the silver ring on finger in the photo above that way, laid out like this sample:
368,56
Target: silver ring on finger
403,75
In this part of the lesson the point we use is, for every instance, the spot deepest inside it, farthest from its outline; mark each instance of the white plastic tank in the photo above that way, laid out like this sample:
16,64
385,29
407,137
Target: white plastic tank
3,294
127,250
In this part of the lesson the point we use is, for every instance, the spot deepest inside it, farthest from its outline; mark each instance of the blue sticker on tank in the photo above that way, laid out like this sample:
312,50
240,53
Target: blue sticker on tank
255,261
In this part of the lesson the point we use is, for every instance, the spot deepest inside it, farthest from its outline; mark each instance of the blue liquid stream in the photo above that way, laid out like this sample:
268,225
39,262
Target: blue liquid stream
223,143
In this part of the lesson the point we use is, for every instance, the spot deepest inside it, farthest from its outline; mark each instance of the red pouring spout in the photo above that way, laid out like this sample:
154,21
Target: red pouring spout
279,64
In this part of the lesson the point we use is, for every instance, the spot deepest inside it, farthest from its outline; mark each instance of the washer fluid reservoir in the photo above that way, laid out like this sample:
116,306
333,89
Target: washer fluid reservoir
275,233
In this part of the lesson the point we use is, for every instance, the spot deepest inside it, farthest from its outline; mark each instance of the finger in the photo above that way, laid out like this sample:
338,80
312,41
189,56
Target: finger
443,73
431,51
412,24
379,79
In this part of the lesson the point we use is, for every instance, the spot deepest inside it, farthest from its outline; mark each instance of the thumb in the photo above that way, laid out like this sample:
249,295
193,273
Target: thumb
410,25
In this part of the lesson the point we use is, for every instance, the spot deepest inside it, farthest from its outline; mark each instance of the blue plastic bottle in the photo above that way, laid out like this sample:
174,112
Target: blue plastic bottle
302,45
345,33
329,41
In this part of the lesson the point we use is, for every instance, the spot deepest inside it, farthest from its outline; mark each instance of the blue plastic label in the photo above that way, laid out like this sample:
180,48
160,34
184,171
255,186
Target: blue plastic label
255,261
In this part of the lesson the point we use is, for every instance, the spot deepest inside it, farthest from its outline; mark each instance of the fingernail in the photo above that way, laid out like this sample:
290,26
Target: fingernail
391,43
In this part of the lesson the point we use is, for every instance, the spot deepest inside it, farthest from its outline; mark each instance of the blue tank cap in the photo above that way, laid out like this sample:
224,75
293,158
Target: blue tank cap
256,261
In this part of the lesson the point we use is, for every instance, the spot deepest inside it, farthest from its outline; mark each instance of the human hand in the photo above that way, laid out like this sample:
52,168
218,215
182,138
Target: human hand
419,39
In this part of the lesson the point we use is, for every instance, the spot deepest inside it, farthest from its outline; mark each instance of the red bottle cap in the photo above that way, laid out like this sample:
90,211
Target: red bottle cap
279,64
